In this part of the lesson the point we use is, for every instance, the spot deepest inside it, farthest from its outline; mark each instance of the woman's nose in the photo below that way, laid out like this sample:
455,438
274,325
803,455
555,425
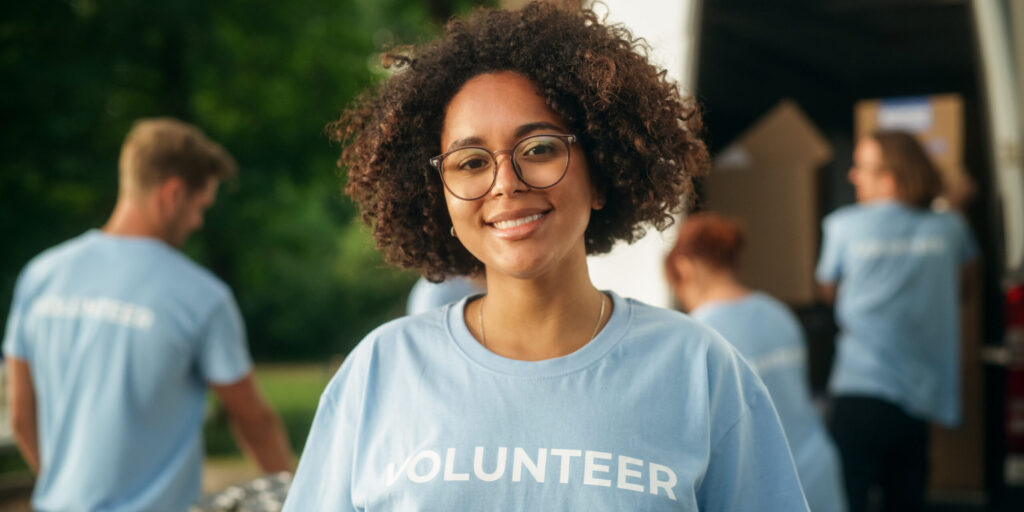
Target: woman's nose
506,181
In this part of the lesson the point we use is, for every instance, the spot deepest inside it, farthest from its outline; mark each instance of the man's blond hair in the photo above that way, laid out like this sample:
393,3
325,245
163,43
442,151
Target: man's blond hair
158,148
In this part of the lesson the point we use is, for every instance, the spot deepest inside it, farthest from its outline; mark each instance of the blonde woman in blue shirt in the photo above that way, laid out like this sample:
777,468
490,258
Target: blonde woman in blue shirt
893,266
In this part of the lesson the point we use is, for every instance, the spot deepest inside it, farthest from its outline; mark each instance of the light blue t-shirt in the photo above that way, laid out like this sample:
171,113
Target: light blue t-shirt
768,335
122,334
425,295
655,413
898,270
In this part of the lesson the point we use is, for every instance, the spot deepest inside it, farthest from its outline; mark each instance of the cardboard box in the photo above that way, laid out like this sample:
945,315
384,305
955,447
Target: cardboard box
768,179
958,455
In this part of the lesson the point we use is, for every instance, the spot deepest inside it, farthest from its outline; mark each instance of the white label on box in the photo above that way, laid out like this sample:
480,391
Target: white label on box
936,146
913,114
733,158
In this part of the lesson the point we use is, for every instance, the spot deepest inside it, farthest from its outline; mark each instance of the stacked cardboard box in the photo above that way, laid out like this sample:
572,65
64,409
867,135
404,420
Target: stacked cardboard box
768,178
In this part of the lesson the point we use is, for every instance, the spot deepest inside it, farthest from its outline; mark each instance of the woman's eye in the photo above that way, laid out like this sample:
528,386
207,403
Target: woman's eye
539,150
472,164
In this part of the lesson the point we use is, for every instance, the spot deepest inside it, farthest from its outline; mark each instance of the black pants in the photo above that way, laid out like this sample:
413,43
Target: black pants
880,445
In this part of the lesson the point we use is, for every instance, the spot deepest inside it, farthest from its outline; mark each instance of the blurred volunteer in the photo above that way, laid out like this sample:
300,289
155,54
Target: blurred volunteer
114,335
426,296
701,269
898,267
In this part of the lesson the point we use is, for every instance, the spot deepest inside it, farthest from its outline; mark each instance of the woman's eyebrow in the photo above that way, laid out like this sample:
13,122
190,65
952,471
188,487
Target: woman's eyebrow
466,141
520,132
532,127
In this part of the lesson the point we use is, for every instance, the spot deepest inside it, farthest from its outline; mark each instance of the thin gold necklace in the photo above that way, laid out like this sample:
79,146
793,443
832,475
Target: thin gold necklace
483,333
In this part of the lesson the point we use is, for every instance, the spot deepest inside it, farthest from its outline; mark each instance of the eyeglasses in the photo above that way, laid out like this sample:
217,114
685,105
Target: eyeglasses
540,161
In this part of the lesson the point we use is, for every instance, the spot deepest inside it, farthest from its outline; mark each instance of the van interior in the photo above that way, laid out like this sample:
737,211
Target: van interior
827,55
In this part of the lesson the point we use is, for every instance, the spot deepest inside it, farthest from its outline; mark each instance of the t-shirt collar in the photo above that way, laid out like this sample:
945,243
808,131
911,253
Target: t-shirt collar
586,355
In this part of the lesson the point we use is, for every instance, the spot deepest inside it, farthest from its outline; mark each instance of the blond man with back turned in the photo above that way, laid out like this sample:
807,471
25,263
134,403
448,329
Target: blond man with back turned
114,336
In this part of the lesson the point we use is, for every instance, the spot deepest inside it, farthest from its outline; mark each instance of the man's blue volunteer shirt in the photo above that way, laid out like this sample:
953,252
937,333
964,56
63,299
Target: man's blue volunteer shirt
122,335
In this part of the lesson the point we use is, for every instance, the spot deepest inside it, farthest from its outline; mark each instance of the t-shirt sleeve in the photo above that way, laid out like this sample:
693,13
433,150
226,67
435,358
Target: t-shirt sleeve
750,466
224,353
15,344
830,269
323,480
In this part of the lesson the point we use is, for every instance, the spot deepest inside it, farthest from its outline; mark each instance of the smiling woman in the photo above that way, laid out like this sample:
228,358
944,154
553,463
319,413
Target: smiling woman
638,137
513,147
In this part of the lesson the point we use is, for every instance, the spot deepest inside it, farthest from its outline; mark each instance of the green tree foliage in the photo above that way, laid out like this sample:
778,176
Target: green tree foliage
262,78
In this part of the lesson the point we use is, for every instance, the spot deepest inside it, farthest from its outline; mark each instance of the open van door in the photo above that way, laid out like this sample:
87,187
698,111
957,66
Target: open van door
1000,29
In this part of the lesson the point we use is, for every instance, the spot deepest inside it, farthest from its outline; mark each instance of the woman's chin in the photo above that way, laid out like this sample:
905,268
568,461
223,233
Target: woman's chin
526,267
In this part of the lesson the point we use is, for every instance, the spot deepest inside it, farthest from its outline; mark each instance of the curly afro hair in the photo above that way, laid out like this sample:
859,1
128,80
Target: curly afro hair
640,137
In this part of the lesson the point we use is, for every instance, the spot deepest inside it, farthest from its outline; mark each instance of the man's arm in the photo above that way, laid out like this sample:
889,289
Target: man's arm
256,427
21,396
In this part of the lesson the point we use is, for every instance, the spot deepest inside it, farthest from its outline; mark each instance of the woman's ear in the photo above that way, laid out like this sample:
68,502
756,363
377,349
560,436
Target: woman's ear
684,268
598,198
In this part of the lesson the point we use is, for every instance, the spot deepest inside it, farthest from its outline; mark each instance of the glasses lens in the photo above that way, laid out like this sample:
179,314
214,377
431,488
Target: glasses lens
541,159
468,172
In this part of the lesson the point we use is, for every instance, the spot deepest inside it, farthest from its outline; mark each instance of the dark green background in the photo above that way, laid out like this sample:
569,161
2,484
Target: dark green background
262,78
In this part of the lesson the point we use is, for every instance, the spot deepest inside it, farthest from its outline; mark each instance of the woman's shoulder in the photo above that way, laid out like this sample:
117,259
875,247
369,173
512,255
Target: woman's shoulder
678,333
757,312
843,213
774,309
392,343
419,329
673,323
949,219
701,357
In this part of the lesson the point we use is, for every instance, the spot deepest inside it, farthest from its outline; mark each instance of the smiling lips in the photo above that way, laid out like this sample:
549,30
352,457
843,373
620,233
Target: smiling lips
508,224
516,226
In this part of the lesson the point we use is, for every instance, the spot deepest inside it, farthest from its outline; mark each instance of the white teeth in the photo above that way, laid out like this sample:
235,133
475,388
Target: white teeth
506,224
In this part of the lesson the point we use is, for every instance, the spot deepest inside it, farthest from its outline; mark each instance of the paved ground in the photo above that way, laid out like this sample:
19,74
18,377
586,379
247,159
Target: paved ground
218,474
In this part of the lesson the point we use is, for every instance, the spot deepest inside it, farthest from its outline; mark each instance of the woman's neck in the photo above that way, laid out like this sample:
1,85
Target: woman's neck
717,287
539,318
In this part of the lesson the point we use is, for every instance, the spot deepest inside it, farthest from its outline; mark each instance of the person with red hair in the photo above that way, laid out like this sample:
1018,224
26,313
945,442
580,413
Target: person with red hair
701,270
